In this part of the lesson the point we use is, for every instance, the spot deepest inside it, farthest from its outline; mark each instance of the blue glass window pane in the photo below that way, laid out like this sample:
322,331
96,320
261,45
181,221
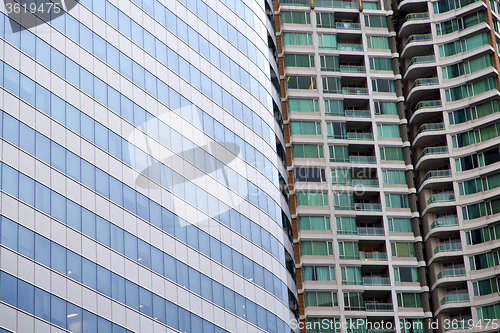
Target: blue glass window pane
229,300
99,47
57,62
117,243
73,165
208,327
9,234
258,275
42,198
87,127
115,145
116,193
172,315
86,82
72,28
72,72
130,246
102,227
26,296
58,311
206,287
194,281
196,323
142,206
240,305
159,309
42,99
74,266
182,274
215,250
104,326
227,259
173,62
180,229
204,243
89,273
129,199
251,311
118,288
88,176
237,262
168,222
42,250
102,183
247,268
138,75
132,295
151,84
11,80
157,261
124,24
58,258
261,317
74,317
42,148
100,91
104,281
27,139
73,118
113,95
192,236
86,38
26,242
184,321
88,223
149,43
28,43
58,157
43,52
144,253
42,304
169,264
146,302
11,129
218,293
137,34
28,90
118,329
27,189
89,321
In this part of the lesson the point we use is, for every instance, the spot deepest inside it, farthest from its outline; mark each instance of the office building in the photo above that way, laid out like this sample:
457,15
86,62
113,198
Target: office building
142,168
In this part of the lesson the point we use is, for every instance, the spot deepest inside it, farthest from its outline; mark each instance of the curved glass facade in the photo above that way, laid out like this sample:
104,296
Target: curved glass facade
142,168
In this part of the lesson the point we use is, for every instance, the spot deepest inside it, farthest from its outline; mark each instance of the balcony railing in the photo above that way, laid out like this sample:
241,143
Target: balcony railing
357,113
441,198
376,281
444,223
349,47
348,25
335,4
359,136
368,206
451,272
370,231
352,69
379,306
354,91
376,256
430,127
419,38
428,104
365,182
352,283
434,151
296,2
416,17
436,174
448,247
363,159
422,60
425,82
455,298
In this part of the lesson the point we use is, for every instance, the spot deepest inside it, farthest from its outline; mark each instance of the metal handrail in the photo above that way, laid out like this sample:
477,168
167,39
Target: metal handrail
455,298
430,127
434,151
441,198
416,16
419,38
451,272
354,91
428,104
422,60
376,281
349,47
363,159
370,231
448,247
379,306
348,25
437,174
425,82
444,223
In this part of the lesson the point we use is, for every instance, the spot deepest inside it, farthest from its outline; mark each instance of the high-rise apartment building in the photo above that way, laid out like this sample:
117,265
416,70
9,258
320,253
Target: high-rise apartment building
142,167
391,113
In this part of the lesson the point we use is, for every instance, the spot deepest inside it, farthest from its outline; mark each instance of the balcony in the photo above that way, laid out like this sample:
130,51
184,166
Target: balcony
352,69
347,26
373,256
441,198
349,47
363,159
376,281
421,60
451,273
455,298
354,91
370,231
368,206
436,174
379,307
434,151
418,38
444,223
427,105
296,2
416,17
430,127
424,82
335,4
357,113
365,182
359,136
448,247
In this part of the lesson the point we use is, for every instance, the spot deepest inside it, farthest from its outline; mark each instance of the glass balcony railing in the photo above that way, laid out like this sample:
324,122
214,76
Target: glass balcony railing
370,231
444,223
427,104
352,283
365,182
441,198
419,38
425,82
357,113
352,69
354,91
451,273
368,206
422,60
436,174
296,2
363,159
448,247
359,136
330,69
430,127
348,25
455,298
375,256
434,151
349,47
376,281
416,17
379,306
336,4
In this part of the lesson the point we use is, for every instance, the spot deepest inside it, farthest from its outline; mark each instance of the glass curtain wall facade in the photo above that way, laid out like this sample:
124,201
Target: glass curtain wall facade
142,170
358,245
